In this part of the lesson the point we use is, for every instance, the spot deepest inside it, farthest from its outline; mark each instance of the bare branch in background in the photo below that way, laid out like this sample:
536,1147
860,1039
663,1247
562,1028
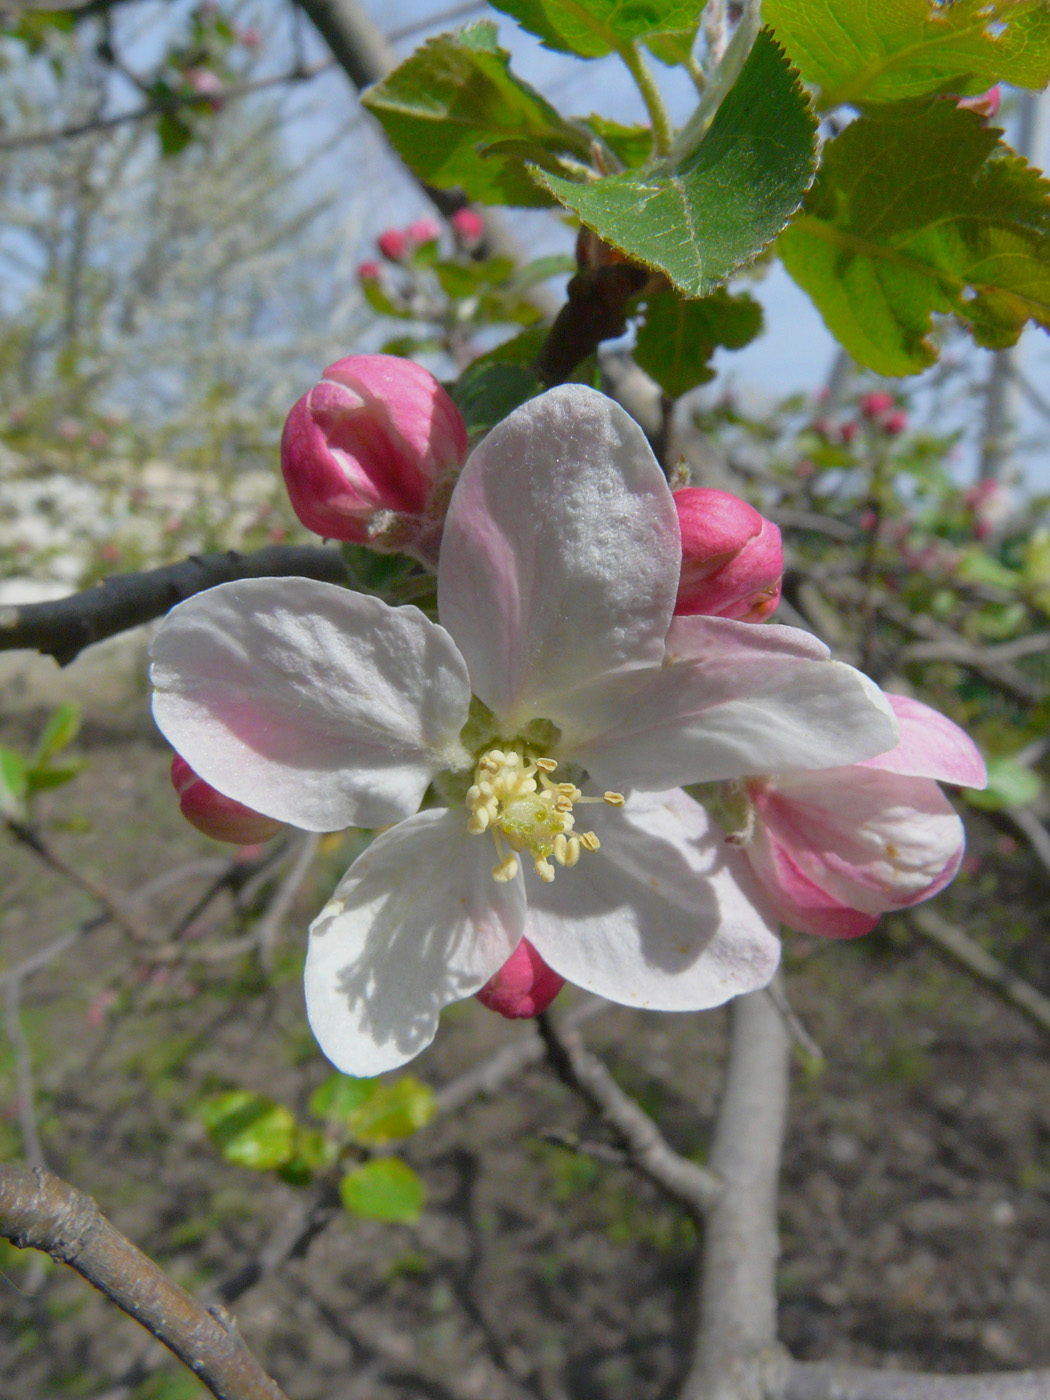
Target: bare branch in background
823,1381
647,1148
64,628
40,1211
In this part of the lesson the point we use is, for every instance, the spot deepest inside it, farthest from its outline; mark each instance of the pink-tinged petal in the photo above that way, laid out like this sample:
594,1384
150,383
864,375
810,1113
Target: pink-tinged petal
730,700
416,923
931,746
307,702
664,915
872,840
560,555
795,900
524,985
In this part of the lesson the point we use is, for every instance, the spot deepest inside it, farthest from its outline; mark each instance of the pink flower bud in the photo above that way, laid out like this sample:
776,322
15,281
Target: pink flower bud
251,39
895,423
369,272
217,816
732,560
876,404
422,231
985,104
393,244
848,432
468,226
374,435
524,985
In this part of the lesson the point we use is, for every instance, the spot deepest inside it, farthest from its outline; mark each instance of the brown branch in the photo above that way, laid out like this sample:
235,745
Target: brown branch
647,1149
62,629
961,950
40,1211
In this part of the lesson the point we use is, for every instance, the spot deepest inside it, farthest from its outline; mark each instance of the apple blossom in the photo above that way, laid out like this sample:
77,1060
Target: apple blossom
468,226
364,452
876,404
563,821
835,849
393,244
217,816
732,559
422,231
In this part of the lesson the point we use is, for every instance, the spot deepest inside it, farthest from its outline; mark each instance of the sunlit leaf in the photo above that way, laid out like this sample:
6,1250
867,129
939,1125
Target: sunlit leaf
385,1189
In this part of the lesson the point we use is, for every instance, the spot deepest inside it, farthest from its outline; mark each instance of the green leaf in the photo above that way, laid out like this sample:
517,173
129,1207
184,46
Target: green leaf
53,775
1010,784
716,208
175,134
485,394
678,338
675,48
386,1189
456,96
858,52
312,1152
13,785
519,350
339,1096
632,145
60,731
919,208
394,1110
251,1130
592,28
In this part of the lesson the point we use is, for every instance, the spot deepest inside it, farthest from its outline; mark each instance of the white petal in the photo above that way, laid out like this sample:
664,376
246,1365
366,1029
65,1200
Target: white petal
417,922
308,702
664,915
560,555
732,699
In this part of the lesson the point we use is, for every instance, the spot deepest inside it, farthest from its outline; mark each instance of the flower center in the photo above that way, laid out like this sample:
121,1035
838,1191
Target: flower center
514,799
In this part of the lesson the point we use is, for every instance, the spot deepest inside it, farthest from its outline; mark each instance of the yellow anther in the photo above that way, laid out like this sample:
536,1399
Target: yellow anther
506,870
545,871
614,799
588,841
546,765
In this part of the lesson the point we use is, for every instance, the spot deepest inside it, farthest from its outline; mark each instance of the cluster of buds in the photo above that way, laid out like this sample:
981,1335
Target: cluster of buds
400,245
880,408
990,506
370,455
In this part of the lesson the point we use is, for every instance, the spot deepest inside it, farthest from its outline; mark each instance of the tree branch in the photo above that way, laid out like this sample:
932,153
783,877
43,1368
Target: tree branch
959,948
735,1337
648,1150
41,1211
62,629
809,1380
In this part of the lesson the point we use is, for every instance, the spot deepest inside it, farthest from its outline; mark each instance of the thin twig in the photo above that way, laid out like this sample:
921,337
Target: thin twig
1033,830
959,948
650,1153
40,1211
115,906
269,927
27,1123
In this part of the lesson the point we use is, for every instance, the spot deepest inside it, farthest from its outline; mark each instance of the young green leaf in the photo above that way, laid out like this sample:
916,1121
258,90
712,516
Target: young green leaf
920,208
384,1189
13,785
858,52
250,1130
395,1110
701,217
454,98
486,393
340,1095
60,731
52,775
1010,784
593,28
678,337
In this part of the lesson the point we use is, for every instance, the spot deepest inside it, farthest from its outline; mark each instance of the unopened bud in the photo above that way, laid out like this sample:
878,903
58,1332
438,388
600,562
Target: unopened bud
895,423
217,816
369,443
985,104
369,271
422,231
732,559
876,404
524,985
468,226
393,244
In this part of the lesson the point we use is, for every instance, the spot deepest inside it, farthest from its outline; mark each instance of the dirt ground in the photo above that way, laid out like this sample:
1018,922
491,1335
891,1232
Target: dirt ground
916,1191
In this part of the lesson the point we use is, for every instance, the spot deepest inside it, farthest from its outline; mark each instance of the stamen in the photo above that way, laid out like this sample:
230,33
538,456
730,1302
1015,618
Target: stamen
589,841
614,799
546,765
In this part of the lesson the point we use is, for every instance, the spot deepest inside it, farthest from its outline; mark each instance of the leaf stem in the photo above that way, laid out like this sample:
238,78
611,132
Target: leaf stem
723,78
654,104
